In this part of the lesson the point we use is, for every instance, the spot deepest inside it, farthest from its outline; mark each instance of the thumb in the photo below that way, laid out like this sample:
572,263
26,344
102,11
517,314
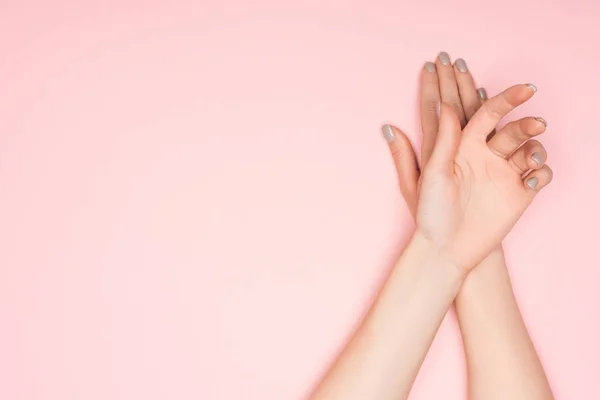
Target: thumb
405,161
448,138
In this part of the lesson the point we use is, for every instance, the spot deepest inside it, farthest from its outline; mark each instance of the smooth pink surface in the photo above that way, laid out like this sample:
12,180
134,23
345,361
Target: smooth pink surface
196,202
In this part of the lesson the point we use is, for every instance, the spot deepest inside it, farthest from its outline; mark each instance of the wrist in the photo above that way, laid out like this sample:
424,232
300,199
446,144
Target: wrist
487,276
459,252
430,257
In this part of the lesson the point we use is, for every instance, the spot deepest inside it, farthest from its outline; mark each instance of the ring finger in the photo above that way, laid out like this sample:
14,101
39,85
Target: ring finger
469,95
532,155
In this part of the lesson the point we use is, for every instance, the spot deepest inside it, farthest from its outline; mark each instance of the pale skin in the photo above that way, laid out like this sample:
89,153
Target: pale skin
501,359
469,194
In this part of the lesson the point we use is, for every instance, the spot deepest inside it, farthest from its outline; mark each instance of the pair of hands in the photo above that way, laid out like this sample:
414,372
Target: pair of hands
473,183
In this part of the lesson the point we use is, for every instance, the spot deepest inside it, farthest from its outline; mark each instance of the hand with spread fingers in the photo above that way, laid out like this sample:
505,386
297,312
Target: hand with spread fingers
502,362
472,185
471,190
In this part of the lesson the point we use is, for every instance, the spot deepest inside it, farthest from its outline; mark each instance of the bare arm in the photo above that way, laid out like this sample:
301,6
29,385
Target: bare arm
383,358
501,359
462,216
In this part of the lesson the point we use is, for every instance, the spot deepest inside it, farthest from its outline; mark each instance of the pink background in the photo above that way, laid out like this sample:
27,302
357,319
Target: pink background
196,202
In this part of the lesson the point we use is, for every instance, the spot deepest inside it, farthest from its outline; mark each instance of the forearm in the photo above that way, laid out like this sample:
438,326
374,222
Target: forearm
501,360
383,358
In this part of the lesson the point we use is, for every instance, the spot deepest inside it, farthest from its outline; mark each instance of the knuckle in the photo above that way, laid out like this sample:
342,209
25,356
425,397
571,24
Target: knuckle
513,163
471,109
527,129
399,153
430,79
505,102
431,106
498,106
457,107
492,111
535,145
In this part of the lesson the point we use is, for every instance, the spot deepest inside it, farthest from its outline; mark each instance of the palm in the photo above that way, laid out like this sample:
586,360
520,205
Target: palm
491,199
470,198
472,209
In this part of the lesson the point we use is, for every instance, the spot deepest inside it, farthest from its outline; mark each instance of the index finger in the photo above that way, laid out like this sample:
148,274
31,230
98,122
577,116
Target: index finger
493,110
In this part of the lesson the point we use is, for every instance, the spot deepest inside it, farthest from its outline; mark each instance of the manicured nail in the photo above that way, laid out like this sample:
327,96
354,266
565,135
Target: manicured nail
482,94
429,67
539,160
532,87
444,58
461,65
532,182
438,109
388,133
542,120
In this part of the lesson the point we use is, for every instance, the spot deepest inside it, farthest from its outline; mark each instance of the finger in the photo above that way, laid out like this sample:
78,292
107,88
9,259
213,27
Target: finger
430,98
514,134
532,155
406,164
484,97
536,180
469,96
448,139
448,88
493,110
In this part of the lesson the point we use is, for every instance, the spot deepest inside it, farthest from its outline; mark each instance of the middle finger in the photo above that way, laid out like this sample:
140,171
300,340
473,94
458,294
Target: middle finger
448,86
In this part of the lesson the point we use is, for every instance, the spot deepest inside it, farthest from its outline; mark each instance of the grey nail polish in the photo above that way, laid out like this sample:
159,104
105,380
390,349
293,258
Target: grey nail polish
388,133
461,65
429,67
482,94
444,58
532,86
538,158
542,120
532,182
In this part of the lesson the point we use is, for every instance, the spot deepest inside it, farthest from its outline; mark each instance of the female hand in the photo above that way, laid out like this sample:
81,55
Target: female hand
471,192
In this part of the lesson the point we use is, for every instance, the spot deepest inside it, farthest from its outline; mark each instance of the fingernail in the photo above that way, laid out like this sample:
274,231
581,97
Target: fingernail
532,87
532,182
438,109
461,65
444,58
429,67
542,120
482,94
539,160
388,133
